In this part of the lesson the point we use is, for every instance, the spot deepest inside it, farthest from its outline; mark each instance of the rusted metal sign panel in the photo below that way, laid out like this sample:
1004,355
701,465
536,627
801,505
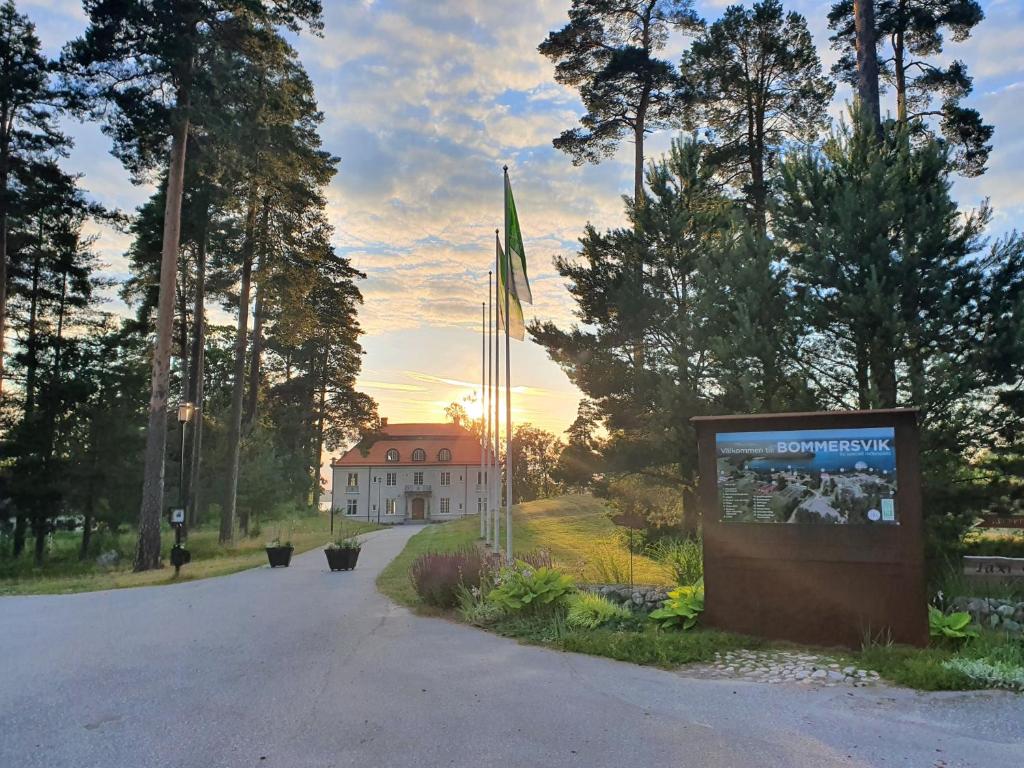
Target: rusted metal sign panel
812,526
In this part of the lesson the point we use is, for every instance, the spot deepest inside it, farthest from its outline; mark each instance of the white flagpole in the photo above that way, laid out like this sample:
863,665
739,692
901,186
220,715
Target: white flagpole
483,383
508,387
496,527
485,518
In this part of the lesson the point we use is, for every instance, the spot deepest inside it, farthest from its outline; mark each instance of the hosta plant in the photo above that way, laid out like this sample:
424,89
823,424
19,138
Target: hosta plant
524,588
950,626
682,609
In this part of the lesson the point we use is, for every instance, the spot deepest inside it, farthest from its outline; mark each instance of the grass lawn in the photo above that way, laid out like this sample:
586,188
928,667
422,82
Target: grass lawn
584,542
64,573
574,529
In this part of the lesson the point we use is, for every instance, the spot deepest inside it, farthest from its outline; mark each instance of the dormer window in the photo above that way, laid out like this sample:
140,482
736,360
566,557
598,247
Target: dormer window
391,456
444,455
419,455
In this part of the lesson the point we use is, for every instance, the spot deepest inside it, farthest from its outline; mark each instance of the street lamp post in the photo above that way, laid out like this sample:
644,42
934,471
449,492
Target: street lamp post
179,555
378,499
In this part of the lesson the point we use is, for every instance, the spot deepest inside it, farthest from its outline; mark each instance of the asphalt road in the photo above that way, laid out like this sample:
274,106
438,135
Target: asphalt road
302,667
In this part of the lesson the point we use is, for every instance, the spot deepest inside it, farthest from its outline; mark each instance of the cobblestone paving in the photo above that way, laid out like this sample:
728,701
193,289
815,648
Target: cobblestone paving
783,667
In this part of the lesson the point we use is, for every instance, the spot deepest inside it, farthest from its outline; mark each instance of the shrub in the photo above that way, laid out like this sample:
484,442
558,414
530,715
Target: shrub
524,588
994,674
683,607
683,558
437,576
589,611
1006,545
953,626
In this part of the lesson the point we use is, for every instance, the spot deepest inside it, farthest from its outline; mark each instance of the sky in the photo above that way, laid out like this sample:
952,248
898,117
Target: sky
424,102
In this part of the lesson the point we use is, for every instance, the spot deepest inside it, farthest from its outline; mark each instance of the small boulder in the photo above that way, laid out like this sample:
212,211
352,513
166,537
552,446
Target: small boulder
109,559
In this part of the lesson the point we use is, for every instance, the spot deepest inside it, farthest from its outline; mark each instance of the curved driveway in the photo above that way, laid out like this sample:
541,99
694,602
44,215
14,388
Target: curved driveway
303,667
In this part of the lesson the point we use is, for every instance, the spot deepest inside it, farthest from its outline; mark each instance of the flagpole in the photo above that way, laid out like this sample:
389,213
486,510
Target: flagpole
508,386
485,518
483,383
496,521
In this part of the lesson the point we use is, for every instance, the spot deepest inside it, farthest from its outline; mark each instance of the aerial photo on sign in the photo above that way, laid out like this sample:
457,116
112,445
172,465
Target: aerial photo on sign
829,476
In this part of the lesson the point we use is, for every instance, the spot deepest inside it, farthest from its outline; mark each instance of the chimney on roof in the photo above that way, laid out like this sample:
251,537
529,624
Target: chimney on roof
384,421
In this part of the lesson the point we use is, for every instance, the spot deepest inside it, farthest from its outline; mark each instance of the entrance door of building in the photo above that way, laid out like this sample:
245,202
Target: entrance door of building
417,508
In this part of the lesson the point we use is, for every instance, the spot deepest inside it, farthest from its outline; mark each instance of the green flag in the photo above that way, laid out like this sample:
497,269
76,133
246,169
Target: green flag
516,328
516,250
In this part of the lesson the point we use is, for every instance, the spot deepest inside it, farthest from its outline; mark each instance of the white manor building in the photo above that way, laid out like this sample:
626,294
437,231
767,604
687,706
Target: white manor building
410,472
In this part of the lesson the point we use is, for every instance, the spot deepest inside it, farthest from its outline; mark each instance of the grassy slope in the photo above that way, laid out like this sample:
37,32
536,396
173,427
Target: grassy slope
63,573
582,540
574,529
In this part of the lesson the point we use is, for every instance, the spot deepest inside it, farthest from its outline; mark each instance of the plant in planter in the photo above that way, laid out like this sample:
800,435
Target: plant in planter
279,554
342,554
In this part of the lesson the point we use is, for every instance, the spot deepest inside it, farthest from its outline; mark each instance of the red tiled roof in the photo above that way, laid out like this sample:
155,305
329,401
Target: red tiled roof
406,438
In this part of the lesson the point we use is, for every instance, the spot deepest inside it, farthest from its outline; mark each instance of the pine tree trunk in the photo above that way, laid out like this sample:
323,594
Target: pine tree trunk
227,515
196,380
90,508
867,63
5,159
40,530
147,553
319,446
257,329
899,67
20,526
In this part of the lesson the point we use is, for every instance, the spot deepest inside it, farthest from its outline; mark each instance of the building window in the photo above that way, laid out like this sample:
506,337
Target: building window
391,456
353,507
391,507
446,506
480,504
419,455
353,481
417,478
446,478
444,455
392,478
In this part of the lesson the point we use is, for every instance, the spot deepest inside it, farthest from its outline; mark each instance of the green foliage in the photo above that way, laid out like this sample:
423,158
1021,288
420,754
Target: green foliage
683,608
349,543
755,80
684,558
991,674
953,626
474,607
911,37
590,611
522,587
1007,545
654,647
923,669
608,52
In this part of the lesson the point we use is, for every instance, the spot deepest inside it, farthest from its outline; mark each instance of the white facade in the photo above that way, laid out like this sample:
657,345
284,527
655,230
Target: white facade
394,494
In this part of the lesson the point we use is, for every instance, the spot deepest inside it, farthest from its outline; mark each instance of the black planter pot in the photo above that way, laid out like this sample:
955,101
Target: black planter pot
279,556
341,559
